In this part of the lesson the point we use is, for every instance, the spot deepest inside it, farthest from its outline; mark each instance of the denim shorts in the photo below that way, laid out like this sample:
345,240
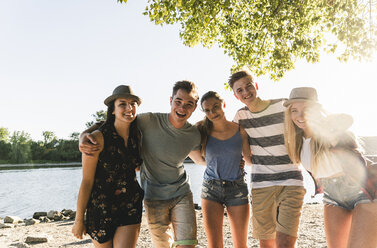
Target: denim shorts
228,193
343,192
178,213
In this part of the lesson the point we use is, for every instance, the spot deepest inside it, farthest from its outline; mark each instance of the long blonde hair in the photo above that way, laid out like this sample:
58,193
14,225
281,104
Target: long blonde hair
319,145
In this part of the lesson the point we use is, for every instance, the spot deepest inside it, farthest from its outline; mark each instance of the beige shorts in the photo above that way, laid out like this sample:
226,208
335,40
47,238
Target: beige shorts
276,208
177,213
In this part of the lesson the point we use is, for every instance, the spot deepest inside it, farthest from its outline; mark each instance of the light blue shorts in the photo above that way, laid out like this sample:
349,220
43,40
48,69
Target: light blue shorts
228,193
343,192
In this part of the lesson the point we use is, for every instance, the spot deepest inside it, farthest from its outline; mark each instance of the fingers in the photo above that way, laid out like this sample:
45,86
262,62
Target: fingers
77,234
78,231
88,148
88,145
92,139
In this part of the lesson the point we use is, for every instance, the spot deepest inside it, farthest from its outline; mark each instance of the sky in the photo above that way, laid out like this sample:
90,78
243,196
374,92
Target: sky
60,59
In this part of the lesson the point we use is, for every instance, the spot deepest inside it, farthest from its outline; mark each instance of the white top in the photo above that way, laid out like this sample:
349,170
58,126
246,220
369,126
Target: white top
330,166
305,154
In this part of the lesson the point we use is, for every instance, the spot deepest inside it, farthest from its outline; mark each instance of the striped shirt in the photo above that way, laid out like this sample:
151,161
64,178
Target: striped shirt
271,165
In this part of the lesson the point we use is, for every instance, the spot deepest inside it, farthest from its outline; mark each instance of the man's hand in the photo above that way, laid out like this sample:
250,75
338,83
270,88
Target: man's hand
242,164
88,144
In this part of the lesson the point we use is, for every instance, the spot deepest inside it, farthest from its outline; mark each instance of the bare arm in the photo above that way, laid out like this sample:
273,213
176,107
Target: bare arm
89,164
87,142
246,151
197,157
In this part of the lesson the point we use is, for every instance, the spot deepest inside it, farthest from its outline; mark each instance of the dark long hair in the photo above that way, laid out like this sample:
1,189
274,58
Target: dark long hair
133,132
110,117
205,126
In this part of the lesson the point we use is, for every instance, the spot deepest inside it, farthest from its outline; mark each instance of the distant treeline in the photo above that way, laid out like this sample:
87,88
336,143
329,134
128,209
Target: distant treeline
18,148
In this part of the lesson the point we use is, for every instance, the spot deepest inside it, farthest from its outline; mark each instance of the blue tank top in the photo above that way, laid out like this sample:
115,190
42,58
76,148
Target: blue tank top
223,158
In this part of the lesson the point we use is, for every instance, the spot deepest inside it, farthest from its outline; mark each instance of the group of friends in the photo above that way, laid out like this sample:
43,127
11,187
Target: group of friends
273,136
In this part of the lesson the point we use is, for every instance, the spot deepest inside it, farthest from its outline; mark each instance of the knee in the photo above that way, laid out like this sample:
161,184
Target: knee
284,240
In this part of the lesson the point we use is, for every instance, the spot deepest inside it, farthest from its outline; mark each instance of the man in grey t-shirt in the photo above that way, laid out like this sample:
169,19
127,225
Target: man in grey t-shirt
167,139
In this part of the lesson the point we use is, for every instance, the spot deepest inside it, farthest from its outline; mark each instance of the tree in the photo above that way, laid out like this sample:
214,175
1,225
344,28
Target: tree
268,36
75,136
4,134
98,116
20,147
49,138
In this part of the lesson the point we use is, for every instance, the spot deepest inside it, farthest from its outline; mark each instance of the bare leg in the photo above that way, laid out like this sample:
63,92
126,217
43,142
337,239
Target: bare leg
364,226
126,236
337,226
267,243
239,222
213,215
108,244
284,240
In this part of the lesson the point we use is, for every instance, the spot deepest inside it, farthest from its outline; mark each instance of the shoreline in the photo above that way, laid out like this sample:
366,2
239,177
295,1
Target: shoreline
38,166
58,233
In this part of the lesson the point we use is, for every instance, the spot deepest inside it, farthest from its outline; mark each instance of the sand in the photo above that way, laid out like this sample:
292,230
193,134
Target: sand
58,234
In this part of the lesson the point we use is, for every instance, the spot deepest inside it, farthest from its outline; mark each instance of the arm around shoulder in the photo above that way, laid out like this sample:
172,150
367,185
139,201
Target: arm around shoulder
246,151
87,142
197,157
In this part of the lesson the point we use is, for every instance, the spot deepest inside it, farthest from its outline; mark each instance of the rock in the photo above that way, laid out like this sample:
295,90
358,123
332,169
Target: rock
4,226
36,215
54,215
44,219
36,239
67,212
58,217
72,216
13,219
51,214
29,222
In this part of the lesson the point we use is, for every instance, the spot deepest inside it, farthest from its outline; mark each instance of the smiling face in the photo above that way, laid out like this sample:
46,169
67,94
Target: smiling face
183,105
125,109
245,91
297,111
213,108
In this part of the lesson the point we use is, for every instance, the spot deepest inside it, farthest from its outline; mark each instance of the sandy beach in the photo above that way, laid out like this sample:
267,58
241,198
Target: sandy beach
58,234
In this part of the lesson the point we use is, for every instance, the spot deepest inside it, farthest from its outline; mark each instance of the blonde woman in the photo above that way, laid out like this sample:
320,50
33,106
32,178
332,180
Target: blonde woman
322,144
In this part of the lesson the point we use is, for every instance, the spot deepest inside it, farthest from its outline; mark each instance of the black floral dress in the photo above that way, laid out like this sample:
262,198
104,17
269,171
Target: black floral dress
116,197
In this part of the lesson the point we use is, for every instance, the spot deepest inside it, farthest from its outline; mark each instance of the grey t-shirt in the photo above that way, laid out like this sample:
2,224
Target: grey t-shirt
164,148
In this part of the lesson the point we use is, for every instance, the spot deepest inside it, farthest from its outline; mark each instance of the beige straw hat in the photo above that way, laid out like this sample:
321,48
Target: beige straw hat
302,94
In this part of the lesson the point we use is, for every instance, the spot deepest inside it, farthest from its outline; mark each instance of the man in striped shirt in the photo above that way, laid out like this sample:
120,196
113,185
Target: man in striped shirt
277,184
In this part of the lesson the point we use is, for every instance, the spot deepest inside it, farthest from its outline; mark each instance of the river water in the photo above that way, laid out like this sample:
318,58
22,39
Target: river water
23,192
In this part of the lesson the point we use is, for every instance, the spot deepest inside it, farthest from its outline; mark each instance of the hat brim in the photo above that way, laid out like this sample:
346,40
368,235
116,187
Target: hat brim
290,101
126,95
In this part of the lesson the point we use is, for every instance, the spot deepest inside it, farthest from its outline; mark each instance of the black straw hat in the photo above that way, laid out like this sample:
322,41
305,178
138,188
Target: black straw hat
124,91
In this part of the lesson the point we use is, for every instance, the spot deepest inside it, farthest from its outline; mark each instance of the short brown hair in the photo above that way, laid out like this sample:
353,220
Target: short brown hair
186,86
237,76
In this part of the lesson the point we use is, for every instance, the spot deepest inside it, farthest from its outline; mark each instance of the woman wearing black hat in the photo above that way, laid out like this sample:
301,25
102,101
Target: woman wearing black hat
109,192
322,144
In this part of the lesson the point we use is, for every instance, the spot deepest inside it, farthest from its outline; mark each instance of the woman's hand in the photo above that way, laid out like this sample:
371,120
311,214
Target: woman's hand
78,229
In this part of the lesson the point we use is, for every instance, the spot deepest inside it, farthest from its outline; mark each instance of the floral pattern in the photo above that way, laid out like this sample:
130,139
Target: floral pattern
116,197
